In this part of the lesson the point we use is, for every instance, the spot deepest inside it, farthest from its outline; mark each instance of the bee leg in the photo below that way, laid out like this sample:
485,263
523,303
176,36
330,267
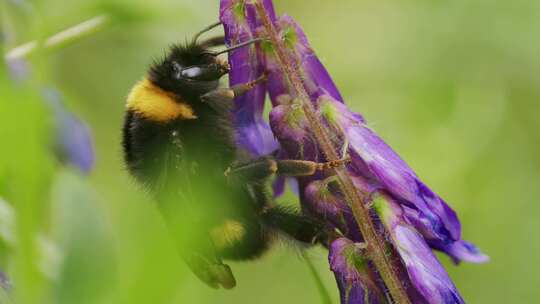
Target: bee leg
195,246
255,170
266,166
293,167
202,258
213,273
291,223
220,96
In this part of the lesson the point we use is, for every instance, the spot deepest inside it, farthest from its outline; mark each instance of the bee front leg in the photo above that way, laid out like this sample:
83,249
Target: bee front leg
220,96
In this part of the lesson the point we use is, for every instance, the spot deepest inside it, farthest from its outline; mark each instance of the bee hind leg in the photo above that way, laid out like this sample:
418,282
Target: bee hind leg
267,166
214,273
291,223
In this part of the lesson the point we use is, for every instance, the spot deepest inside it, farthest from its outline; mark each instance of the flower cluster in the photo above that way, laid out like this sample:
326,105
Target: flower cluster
73,139
74,143
411,218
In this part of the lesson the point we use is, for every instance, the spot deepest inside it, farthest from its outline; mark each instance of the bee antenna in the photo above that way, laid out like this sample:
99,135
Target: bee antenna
235,47
206,29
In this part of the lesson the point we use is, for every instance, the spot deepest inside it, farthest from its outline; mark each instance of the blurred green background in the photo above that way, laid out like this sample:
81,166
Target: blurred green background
453,86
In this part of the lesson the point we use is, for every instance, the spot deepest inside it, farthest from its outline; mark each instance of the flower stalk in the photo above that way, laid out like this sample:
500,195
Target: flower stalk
375,243
74,32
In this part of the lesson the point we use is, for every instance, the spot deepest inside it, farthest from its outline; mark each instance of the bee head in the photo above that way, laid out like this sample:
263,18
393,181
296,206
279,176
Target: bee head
188,70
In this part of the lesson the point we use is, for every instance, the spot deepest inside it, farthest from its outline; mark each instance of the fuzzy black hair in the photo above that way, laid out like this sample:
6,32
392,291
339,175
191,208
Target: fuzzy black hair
162,71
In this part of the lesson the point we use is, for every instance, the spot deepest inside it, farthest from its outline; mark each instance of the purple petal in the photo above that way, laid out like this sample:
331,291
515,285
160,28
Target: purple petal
74,140
401,181
352,292
353,274
290,126
19,69
425,271
324,201
253,133
5,282
461,251
370,152
278,187
256,137
317,80
282,181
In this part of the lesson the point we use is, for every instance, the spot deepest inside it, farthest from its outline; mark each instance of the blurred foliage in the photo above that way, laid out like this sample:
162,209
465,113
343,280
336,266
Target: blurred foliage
453,86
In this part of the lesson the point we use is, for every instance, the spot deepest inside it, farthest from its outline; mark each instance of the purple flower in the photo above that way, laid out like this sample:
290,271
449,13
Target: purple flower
18,69
356,281
412,218
5,282
424,270
318,83
239,22
74,143
73,138
382,168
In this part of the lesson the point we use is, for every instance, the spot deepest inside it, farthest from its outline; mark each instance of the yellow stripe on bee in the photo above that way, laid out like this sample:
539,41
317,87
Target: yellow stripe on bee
156,104
229,233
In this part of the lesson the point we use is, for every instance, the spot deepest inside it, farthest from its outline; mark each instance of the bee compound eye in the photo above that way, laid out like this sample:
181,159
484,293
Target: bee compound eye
192,72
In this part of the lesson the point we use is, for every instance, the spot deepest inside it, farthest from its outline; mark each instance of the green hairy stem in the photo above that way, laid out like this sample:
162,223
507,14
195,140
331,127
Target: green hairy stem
376,245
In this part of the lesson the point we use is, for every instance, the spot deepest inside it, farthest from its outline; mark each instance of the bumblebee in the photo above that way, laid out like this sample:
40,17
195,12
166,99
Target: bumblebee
178,142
